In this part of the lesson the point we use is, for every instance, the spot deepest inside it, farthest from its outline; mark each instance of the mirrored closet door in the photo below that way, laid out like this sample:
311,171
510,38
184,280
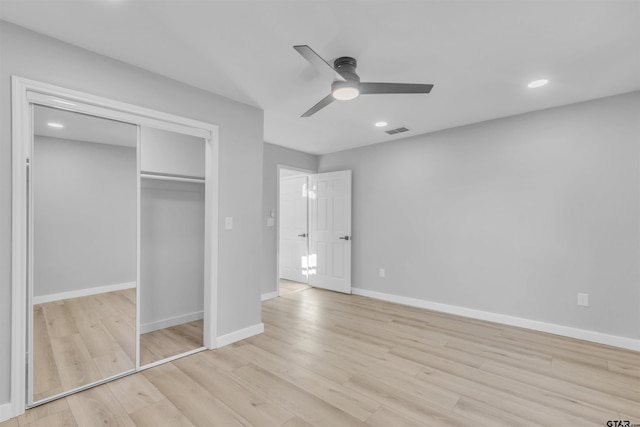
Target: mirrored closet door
118,231
84,212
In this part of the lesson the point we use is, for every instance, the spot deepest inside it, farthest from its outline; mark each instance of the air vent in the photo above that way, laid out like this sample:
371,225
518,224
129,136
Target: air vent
398,130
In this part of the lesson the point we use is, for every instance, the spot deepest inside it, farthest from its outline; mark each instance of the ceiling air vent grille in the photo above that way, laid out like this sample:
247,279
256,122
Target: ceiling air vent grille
398,130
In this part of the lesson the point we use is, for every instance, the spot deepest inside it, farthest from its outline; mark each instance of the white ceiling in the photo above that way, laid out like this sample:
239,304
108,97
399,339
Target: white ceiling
479,55
81,127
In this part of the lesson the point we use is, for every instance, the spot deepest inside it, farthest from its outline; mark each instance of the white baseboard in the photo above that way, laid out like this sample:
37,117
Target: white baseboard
535,325
5,412
239,335
171,321
83,292
269,295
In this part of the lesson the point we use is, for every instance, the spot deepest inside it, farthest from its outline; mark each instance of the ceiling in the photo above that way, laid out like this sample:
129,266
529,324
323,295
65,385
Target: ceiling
82,127
479,54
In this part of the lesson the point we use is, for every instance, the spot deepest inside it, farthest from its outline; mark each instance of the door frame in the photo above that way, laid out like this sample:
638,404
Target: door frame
24,92
279,167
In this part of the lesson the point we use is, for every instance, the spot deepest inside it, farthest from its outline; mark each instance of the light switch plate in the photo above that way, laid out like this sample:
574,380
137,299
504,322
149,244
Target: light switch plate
583,300
270,222
228,223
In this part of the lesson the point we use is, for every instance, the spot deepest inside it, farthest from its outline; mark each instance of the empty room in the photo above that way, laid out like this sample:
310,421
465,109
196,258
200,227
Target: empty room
319,213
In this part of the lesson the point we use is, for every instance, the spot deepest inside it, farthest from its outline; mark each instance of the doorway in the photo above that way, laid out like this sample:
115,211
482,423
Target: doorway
314,230
293,230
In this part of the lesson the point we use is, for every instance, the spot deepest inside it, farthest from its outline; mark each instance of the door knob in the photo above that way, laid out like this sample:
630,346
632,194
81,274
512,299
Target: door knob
344,238
302,235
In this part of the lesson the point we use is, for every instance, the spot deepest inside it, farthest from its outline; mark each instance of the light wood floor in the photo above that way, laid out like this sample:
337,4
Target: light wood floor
163,343
78,341
328,359
289,286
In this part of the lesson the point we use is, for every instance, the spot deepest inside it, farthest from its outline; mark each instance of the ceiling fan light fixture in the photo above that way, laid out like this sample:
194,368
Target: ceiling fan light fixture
343,91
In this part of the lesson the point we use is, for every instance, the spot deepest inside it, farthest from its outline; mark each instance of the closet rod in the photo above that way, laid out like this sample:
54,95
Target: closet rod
171,178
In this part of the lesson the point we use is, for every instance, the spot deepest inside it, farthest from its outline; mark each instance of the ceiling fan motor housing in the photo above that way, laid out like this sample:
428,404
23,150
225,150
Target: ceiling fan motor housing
346,67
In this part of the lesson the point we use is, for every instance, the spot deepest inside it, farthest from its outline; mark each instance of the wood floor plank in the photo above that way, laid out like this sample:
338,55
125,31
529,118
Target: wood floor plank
46,380
135,392
254,407
200,406
163,413
302,403
12,422
60,322
43,411
572,390
98,407
167,342
75,365
353,403
386,417
60,419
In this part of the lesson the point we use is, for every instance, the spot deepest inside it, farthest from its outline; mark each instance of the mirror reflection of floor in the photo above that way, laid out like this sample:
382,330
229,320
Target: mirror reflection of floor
163,343
289,287
78,341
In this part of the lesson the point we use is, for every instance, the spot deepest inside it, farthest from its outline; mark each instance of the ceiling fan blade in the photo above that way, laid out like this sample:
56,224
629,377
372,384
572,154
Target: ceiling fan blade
373,88
318,63
319,106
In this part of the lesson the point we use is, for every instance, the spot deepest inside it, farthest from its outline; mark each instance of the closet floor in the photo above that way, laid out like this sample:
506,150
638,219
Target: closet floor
78,341
163,343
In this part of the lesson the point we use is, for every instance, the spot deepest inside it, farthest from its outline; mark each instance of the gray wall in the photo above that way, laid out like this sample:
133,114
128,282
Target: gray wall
275,155
513,216
171,249
31,55
85,215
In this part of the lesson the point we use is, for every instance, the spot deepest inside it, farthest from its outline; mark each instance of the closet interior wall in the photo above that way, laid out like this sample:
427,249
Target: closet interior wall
172,230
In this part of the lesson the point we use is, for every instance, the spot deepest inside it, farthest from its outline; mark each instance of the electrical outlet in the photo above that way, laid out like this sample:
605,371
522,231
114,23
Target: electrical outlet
583,300
382,272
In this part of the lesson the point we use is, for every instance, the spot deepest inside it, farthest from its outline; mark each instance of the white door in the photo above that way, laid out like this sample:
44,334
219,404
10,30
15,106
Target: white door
330,231
293,228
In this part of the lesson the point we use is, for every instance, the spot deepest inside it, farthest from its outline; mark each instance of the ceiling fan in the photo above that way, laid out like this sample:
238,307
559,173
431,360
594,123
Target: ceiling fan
346,83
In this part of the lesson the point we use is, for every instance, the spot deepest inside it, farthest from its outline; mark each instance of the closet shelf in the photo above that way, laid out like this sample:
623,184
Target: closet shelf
169,177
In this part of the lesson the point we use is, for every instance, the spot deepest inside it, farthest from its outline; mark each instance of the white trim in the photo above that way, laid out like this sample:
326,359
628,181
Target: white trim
21,129
567,331
46,94
240,335
83,292
210,329
269,295
170,321
5,412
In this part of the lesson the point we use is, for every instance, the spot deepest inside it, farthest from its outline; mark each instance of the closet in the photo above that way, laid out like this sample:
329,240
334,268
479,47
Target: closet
172,205
119,240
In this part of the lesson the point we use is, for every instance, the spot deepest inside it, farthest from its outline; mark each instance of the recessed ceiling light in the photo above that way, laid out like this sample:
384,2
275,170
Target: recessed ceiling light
538,83
381,124
55,125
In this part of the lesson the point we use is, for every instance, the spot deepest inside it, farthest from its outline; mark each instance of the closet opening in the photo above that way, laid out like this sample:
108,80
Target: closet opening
114,236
